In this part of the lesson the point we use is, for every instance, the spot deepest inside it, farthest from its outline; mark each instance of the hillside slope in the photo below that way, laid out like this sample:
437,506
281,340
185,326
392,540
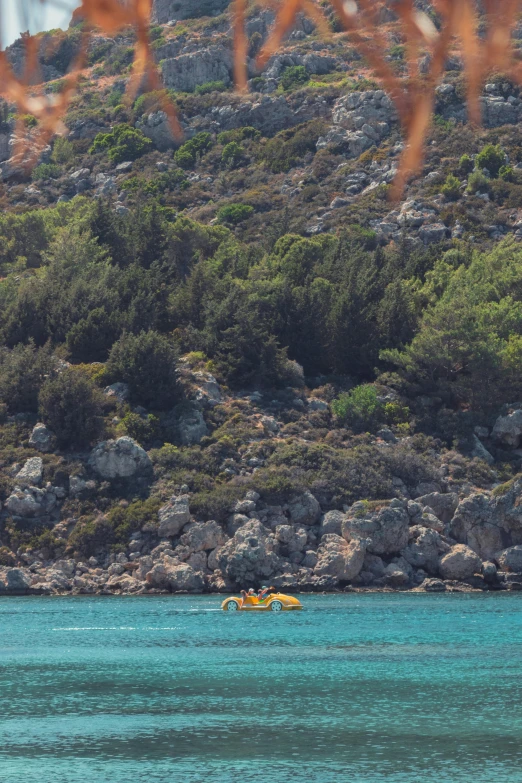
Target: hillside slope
230,359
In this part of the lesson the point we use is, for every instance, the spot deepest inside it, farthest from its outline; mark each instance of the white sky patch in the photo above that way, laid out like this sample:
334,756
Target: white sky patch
20,15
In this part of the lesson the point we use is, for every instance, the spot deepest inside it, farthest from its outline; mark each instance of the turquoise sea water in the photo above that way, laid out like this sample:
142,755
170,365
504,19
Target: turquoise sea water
355,689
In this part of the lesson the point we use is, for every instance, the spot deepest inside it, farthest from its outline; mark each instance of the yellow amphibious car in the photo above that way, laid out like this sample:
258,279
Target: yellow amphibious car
275,602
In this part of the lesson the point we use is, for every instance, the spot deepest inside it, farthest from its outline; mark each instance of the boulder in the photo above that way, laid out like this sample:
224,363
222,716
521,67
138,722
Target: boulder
425,549
17,581
31,502
122,458
304,509
192,427
489,572
338,559
235,521
374,565
250,555
433,586
173,516
188,71
510,559
31,473
119,391
41,438
203,536
432,233
332,522
507,430
170,574
396,575
387,528
290,538
156,126
444,505
479,451
490,524
208,391
460,562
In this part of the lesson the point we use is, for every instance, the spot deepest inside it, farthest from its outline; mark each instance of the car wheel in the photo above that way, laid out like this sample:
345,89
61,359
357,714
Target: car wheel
232,606
276,606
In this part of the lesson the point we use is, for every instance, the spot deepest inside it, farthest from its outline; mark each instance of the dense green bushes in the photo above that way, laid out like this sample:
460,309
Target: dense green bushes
22,373
187,155
72,407
121,144
334,304
289,147
234,213
147,362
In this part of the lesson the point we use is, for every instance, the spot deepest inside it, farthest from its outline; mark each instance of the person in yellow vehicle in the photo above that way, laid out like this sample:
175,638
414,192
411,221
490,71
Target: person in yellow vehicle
263,593
244,595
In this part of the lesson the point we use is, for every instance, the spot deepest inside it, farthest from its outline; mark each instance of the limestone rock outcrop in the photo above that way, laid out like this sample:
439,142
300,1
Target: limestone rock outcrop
304,509
250,555
511,559
31,474
122,458
508,429
173,575
387,528
489,524
42,438
339,559
188,71
173,516
460,562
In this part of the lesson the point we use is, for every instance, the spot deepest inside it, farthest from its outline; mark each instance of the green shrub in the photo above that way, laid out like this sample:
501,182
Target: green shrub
121,144
398,51
91,338
466,165
142,429
46,171
477,183
238,134
234,213
233,153
89,536
148,102
506,173
294,76
359,408
71,406
63,151
22,373
186,156
491,157
208,87
288,148
147,362
127,520
216,503
451,188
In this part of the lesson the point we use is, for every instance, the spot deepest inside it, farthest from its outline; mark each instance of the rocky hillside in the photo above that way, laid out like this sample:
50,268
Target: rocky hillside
229,359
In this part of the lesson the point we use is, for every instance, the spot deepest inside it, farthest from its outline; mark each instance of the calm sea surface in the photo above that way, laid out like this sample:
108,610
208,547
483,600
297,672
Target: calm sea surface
355,689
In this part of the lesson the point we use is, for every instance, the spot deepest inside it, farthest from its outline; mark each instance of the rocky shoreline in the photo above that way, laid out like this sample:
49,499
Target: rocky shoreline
434,543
